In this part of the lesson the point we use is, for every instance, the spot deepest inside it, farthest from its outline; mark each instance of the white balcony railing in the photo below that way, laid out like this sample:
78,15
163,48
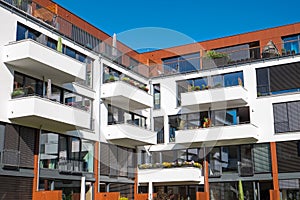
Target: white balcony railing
126,96
220,135
215,98
129,135
50,115
178,174
39,60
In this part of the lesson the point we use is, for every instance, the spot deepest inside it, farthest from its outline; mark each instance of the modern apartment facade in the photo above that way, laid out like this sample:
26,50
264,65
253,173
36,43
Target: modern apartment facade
82,119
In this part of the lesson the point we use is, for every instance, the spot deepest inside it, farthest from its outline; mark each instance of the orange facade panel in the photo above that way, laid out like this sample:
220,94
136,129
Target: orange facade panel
107,196
48,195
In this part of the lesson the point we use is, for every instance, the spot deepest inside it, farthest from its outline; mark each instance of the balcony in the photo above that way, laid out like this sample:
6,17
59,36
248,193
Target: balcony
129,135
215,98
30,57
218,135
126,96
50,115
192,175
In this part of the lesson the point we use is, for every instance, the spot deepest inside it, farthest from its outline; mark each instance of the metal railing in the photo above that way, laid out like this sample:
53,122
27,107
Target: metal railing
72,166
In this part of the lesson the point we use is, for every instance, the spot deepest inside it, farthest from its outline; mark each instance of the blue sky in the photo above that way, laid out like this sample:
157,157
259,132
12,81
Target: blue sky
176,22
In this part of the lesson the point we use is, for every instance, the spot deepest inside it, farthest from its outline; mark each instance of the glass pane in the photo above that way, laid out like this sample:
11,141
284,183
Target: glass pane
233,79
49,150
217,81
201,82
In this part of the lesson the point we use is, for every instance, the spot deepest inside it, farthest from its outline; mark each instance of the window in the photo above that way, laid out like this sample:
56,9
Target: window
286,116
156,96
205,119
159,128
216,81
49,150
184,63
182,87
230,155
117,161
278,79
26,86
242,52
291,44
287,156
119,116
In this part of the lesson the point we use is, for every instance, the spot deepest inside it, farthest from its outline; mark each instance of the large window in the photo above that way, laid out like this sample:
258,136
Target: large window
159,128
203,83
27,86
286,116
119,116
66,153
278,79
117,161
184,63
242,52
207,119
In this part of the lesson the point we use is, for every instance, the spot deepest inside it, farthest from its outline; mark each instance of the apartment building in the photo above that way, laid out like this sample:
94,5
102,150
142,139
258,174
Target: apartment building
83,116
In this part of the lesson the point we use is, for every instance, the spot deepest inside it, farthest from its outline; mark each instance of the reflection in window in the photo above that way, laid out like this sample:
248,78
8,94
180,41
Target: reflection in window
49,150
184,63
291,44
119,116
159,128
156,96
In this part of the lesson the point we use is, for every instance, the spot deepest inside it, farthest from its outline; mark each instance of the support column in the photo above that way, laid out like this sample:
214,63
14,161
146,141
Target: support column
96,172
82,188
274,194
135,183
150,191
206,183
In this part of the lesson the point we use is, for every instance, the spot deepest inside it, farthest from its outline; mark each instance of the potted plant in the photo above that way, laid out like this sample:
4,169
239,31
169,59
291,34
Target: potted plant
219,59
111,79
126,79
196,88
18,92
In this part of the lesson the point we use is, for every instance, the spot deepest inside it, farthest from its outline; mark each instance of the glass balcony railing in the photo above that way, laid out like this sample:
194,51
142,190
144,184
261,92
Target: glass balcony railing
221,59
69,99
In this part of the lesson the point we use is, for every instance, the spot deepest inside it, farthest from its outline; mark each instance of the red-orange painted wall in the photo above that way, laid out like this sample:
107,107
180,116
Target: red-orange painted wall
263,36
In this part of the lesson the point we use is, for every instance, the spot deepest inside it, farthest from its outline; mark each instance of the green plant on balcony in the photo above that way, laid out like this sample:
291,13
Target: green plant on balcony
143,87
111,79
214,54
123,198
18,92
195,88
126,79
